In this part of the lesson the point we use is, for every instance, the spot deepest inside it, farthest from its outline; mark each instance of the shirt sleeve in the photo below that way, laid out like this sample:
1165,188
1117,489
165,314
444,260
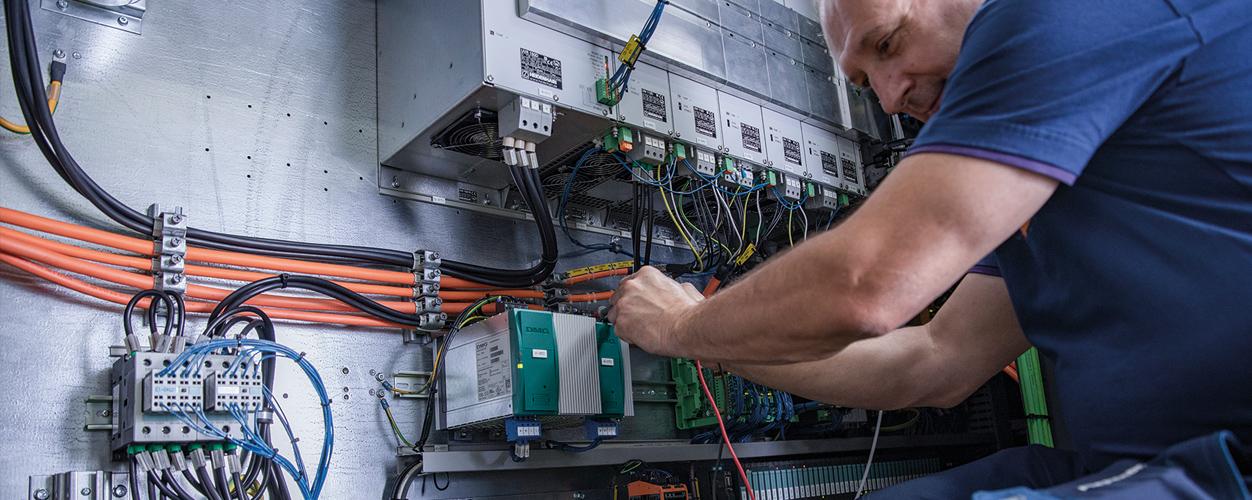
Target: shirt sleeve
1042,85
988,266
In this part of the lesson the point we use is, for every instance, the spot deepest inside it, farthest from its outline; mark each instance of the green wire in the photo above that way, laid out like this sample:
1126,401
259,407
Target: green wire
1038,423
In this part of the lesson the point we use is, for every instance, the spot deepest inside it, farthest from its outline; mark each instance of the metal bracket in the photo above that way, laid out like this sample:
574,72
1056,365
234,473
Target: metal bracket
80,485
169,249
409,381
125,15
98,413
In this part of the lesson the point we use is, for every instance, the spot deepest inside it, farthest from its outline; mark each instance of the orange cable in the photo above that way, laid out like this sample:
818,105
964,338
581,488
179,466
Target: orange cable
595,276
144,247
721,424
591,297
192,306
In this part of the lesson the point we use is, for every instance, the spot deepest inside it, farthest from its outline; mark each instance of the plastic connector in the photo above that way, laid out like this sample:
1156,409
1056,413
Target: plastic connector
178,461
604,95
197,457
522,159
133,344
218,457
630,53
57,71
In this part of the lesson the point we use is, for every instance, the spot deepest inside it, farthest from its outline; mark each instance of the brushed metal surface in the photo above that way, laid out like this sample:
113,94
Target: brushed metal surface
259,119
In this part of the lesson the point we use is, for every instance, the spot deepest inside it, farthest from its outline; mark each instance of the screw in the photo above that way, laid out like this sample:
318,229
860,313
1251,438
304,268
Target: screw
122,20
378,376
345,370
105,413
85,491
556,98
345,396
76,55
621,117
175,279
380,394
395,182
176,219
42,493
58,53
373,372
491,78
175,241
175,259
119,491
604,112
345,389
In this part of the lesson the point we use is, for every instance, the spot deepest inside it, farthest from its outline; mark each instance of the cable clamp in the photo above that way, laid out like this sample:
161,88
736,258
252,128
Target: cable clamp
432,320
428,305
169,249
426,273
265,417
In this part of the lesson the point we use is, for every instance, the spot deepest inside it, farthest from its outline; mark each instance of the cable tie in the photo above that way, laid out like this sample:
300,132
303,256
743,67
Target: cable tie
283,279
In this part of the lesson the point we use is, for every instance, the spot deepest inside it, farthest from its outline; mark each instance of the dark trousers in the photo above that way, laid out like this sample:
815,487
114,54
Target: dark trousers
1214,466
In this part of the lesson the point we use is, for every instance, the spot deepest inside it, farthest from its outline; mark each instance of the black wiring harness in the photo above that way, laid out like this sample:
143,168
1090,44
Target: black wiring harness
24,61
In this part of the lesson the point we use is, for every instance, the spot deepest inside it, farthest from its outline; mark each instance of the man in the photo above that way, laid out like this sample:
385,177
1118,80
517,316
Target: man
1098,153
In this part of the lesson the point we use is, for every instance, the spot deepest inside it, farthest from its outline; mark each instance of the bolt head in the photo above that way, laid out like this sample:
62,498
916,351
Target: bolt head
175,242
491,78
63,4
122,20
345,370
119,491
58,53
175,279
85,491
174,259
41,494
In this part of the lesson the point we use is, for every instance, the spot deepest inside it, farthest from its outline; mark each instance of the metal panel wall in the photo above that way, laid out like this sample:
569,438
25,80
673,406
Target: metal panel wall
258,118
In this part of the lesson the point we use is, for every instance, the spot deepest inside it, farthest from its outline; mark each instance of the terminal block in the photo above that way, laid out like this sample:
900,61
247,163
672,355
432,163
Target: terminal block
652,151
821,197
735,174
704,164
222,391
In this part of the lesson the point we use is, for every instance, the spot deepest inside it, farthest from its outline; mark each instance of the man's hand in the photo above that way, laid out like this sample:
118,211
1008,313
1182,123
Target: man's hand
649,309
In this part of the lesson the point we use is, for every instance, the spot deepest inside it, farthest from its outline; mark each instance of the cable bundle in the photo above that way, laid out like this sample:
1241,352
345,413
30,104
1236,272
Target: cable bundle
24,61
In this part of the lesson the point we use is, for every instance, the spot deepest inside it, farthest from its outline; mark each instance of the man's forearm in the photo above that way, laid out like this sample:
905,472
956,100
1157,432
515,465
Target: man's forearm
875,373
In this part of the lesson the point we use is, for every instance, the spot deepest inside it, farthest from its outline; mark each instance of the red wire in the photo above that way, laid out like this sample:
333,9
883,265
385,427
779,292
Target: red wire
722,425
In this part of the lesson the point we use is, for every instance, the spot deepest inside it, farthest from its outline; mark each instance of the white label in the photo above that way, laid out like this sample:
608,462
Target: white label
530,430
438,199
606,430
606,361
539,353
495,378
227,389
702,140
650,124
546,93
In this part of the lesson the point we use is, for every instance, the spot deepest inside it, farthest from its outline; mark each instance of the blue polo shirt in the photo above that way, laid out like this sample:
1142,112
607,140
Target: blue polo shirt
1135,278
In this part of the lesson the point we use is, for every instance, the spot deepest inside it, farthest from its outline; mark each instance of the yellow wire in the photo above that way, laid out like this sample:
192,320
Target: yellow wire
789,214
683,214
681,230
743,227
54,96
439,354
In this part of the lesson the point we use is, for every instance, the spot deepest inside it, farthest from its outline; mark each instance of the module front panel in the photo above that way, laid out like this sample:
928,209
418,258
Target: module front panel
647,102
742,122
784,142
696,113
821,150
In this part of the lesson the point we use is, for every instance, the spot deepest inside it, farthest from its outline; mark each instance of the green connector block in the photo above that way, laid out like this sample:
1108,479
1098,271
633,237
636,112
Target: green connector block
811,189
843,200
772,179
680,151
728,164
692,409
625,135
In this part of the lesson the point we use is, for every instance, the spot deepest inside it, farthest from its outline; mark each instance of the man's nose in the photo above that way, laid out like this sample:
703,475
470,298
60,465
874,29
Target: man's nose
892,91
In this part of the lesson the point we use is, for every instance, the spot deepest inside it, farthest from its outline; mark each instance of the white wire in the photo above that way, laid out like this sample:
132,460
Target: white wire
805,216
860,489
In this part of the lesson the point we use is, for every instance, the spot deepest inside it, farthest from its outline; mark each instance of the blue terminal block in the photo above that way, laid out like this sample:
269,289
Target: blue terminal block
600,429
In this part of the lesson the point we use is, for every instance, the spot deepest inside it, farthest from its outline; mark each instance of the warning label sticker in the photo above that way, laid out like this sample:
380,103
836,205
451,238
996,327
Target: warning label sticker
495,378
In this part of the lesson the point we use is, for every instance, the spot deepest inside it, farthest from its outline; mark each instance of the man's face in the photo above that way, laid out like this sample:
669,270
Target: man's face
903,49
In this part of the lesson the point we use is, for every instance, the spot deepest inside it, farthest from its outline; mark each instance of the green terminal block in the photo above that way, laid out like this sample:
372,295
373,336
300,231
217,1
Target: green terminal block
811,189
604,95
680,151
771,179
692,409
843,200
728,164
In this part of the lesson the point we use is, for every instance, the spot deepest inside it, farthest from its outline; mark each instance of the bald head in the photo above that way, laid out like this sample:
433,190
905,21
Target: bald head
903,49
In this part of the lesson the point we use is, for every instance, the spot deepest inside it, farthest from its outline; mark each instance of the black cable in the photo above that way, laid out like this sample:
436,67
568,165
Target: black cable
172,483
277,484
206,480
223,483
154,480
240,494
324,287
405,479
155,296
32,97
635,227
133,470
195,483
